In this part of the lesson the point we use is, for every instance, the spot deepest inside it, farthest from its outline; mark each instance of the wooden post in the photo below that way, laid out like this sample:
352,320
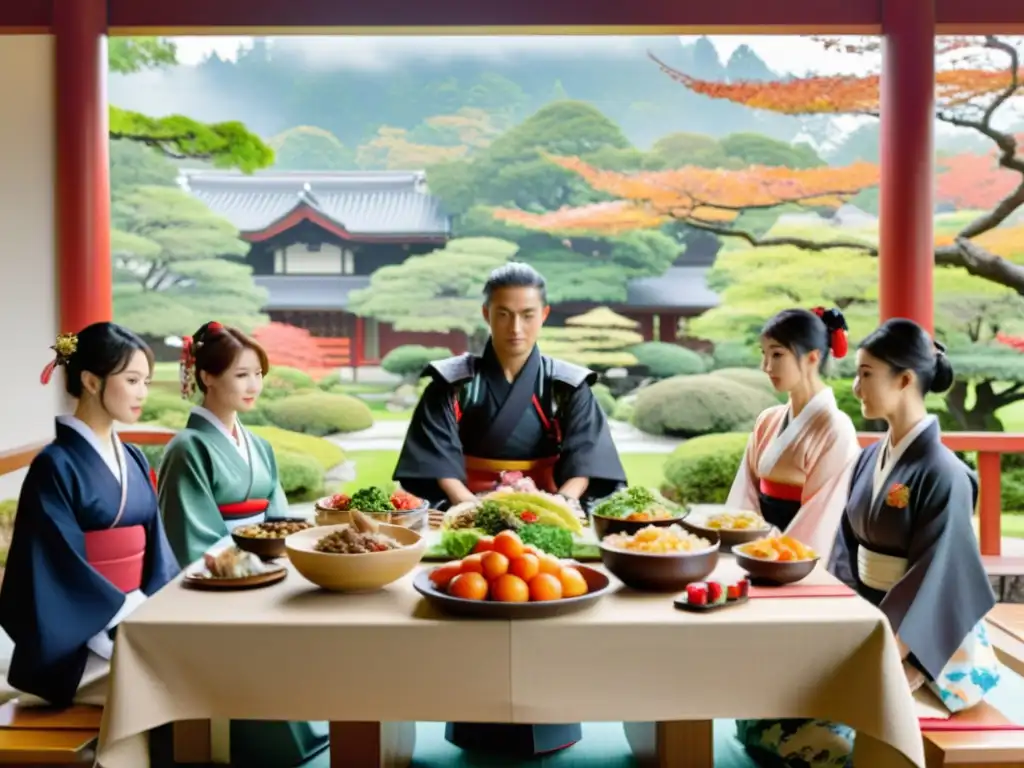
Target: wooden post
83,174
990,506
906,243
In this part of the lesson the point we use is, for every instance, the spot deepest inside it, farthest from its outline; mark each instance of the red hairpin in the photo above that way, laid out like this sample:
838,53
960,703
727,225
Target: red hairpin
214,327
838,341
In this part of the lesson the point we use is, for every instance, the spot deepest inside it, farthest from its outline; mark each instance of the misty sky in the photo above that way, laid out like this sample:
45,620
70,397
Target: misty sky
783,53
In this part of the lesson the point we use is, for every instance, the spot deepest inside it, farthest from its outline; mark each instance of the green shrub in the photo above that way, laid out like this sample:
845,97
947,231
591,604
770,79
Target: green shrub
282,381
332,384
409,360
256,417
624,410
735,355
664,360
301,477
8,508
605,398
320,413
689,406
326,454
162,407
752,377
702,470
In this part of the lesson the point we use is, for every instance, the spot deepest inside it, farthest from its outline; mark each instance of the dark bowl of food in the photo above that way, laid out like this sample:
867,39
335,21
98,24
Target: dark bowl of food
632,509
731,528
664,561
774,571
266,539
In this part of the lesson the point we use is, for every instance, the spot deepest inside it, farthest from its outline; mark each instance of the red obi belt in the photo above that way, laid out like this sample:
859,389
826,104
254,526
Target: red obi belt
483,474
242,509
782,491
118,554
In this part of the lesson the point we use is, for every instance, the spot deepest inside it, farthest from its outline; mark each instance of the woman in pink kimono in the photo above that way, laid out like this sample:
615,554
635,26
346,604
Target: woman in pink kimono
796,468
796,473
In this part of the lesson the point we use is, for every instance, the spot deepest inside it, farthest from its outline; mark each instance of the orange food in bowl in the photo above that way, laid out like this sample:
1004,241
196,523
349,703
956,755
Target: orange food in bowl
494,564
550,564
485,544
573,583
442,576
473,563
468,586
510,589
525,567
544,586
509,544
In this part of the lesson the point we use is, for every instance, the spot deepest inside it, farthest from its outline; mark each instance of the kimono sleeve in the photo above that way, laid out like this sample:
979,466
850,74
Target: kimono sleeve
826,488
191,516
432,449
743,494
161,565
587,447
52,601
945,591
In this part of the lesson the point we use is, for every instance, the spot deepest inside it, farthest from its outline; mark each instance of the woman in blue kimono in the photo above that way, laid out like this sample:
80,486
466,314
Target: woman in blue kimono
217,475
907,545
88,545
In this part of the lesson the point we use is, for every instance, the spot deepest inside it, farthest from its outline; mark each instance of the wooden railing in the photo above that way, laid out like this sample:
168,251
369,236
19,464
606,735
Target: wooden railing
988,445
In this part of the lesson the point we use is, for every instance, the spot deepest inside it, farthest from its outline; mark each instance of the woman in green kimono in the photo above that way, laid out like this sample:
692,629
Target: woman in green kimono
216,475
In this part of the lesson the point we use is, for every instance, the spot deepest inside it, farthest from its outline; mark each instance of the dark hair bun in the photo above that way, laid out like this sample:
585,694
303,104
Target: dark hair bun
833,320
943,378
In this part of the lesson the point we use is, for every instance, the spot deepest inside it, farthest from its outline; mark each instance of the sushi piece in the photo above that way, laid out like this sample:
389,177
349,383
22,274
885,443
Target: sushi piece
734,591
716,593
697,594
744,585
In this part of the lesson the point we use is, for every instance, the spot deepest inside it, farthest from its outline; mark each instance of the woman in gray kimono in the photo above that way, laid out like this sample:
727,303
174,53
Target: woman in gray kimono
907,545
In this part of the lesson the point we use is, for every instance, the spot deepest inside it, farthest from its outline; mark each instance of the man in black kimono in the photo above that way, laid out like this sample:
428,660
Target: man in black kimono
511,409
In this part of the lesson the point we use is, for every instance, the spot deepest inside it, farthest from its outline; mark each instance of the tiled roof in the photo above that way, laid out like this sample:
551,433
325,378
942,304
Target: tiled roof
314,293
678,287
363,203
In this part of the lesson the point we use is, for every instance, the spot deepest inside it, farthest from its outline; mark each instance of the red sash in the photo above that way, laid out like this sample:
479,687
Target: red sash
483,474
247,508
118,554
782,491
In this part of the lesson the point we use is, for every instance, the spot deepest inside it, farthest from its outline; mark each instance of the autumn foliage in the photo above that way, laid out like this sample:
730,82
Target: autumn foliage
1014,342
289,346
706,197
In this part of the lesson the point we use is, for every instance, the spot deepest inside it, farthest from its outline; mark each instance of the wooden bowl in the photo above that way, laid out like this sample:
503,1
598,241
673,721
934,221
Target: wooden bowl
775,571
660,573
598,585
266,549
604,526
354,573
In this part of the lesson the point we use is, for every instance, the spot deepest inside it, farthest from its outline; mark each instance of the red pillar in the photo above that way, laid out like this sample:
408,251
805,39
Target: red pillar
906,243
83,173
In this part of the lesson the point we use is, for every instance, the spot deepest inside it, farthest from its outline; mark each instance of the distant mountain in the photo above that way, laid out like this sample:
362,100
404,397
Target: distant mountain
271,88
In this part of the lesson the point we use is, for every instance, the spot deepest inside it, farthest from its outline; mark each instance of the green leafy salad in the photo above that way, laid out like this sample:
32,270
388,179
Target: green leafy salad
638,504
539,519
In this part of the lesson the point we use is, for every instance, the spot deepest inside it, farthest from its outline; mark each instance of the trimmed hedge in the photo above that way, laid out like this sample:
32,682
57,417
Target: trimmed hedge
702,470
752,377
664,360
605,398
281,381
409,360
319,413
690,406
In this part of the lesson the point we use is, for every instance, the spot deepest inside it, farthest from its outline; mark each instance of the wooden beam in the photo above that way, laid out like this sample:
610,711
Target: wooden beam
25,17
391,16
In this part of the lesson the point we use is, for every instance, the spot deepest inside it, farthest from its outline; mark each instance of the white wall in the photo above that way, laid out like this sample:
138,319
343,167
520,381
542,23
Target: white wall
28,284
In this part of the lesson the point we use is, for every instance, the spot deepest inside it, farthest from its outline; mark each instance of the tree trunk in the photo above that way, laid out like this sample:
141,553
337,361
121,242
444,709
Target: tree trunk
982,415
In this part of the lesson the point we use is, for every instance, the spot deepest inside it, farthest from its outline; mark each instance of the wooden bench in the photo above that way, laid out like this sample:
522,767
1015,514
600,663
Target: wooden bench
39,736
1003,569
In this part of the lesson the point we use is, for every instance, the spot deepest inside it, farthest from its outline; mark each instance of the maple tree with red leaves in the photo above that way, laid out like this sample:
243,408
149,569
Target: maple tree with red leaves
981,76
289,346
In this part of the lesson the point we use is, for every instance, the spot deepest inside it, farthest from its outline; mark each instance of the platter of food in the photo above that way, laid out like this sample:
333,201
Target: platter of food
511,580
704,596
232,568
358,556
776,560
548,522
732,527
630,509
266,539
659,559
396,508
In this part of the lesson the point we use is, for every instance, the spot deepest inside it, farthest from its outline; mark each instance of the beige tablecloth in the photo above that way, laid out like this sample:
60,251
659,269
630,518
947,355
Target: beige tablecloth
292,652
